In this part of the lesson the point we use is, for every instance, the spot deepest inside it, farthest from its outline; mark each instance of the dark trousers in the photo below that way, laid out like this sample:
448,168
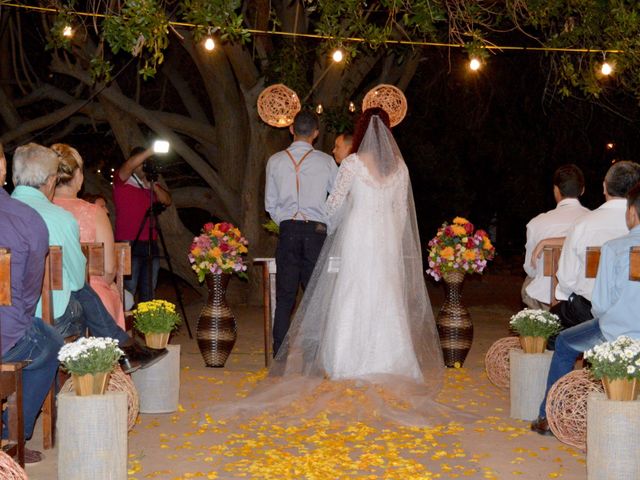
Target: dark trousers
86,310
139,280
299,246
574,311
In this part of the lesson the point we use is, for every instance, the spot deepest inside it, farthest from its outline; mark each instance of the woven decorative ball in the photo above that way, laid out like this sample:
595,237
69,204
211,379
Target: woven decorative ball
390,99
9,468
278,105
118,382
496,361
567,407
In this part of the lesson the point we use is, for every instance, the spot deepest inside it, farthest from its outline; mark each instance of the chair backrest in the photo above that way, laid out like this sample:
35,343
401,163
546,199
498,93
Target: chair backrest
592,260
52,281
5,276
551,257
123,265
634,263
94,253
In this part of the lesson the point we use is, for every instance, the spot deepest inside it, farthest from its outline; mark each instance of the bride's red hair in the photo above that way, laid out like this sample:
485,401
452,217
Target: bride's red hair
363,124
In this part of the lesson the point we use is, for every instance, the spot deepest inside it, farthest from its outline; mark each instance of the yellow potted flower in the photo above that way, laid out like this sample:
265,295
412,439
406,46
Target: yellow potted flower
156,319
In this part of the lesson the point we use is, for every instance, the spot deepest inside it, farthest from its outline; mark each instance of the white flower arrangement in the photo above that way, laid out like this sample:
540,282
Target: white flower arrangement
615,360
535,323
90,355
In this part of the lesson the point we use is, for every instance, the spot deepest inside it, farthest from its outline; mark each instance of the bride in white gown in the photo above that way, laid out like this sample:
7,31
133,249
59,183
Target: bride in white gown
363,343
366,312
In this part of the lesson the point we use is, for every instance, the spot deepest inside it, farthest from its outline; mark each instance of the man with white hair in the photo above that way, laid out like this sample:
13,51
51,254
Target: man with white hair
76,307
25,337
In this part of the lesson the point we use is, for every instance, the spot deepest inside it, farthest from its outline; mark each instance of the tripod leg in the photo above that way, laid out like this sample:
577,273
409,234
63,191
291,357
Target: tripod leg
173,278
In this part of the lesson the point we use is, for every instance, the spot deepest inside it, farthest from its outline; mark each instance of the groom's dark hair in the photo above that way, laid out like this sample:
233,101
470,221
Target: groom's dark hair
305,124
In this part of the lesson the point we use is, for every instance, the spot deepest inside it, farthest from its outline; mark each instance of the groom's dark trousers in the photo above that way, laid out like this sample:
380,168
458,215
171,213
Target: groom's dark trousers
299,245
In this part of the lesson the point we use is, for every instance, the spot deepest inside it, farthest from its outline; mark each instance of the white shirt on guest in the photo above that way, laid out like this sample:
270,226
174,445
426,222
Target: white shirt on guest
554,223
591,230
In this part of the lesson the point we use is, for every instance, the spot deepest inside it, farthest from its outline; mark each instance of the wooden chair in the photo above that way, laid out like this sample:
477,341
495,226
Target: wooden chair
123,268
551,256
269,299
52,281
11,376
94,253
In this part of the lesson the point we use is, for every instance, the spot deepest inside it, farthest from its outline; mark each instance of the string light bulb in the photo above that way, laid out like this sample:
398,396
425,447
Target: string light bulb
352,107
337,56
67,31
319,109
209,44
610,146
474,64
606,68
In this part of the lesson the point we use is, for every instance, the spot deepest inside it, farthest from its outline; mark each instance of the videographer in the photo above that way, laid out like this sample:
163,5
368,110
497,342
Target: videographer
135,204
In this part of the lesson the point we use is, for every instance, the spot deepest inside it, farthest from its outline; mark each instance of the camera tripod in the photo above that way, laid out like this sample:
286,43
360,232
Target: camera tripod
151,219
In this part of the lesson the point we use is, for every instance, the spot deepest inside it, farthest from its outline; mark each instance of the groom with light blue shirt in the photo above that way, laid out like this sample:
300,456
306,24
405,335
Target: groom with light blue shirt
615,306
298,181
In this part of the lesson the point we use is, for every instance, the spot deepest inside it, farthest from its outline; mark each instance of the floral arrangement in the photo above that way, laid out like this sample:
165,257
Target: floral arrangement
535,323
90,355
459,248
156,316
615,360
218,249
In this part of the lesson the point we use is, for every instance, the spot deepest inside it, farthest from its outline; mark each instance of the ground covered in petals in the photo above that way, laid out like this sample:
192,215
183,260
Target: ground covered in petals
193,443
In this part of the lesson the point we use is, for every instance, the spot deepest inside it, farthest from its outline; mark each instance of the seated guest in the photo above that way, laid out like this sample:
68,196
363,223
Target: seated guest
616,302
94,226
97,199
25,337
591,230
568,185
76,307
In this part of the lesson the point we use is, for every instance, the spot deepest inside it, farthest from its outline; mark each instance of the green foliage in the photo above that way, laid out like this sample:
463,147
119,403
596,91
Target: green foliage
141,28
614,360
271,227
100,69
215,16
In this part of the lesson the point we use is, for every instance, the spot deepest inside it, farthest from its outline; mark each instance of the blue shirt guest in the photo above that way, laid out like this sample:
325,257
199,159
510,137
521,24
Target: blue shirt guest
615,306
23,335
298,181
77,307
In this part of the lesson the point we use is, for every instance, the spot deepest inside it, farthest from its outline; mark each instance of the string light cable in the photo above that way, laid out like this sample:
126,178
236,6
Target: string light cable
316,36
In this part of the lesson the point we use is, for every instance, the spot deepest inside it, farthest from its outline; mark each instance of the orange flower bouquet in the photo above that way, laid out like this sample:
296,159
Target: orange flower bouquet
459,248
218,249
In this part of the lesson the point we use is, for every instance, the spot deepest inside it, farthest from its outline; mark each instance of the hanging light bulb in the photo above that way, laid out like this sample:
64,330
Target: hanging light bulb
209,44
606,68
319,109
337,56
352,107
610,146
67,31
474,64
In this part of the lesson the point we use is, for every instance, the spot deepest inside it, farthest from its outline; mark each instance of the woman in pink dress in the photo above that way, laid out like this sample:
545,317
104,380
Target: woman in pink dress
94,226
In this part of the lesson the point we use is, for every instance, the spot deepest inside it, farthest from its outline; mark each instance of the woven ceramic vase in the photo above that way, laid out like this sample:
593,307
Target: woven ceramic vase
454,322
217,329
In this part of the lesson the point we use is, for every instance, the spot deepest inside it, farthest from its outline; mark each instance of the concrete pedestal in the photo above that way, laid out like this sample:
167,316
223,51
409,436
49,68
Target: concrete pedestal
528,382
92,436
613,430
159,385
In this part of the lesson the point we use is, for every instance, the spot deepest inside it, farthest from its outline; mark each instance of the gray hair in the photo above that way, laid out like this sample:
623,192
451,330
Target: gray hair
33,164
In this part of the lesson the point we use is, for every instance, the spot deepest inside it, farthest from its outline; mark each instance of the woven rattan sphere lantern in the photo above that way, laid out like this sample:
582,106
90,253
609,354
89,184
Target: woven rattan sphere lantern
278,105
390,99
567,407
496,361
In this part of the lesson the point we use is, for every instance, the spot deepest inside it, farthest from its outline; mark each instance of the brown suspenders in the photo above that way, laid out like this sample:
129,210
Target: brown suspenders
296,166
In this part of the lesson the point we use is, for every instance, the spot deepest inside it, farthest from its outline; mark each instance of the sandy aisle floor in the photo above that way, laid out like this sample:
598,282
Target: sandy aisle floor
176,446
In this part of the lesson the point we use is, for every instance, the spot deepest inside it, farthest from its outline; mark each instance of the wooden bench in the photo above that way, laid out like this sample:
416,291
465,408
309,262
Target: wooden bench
11,376
52,281
269,302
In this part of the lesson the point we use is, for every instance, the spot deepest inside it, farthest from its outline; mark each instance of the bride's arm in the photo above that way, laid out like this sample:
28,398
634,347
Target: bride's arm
341,187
